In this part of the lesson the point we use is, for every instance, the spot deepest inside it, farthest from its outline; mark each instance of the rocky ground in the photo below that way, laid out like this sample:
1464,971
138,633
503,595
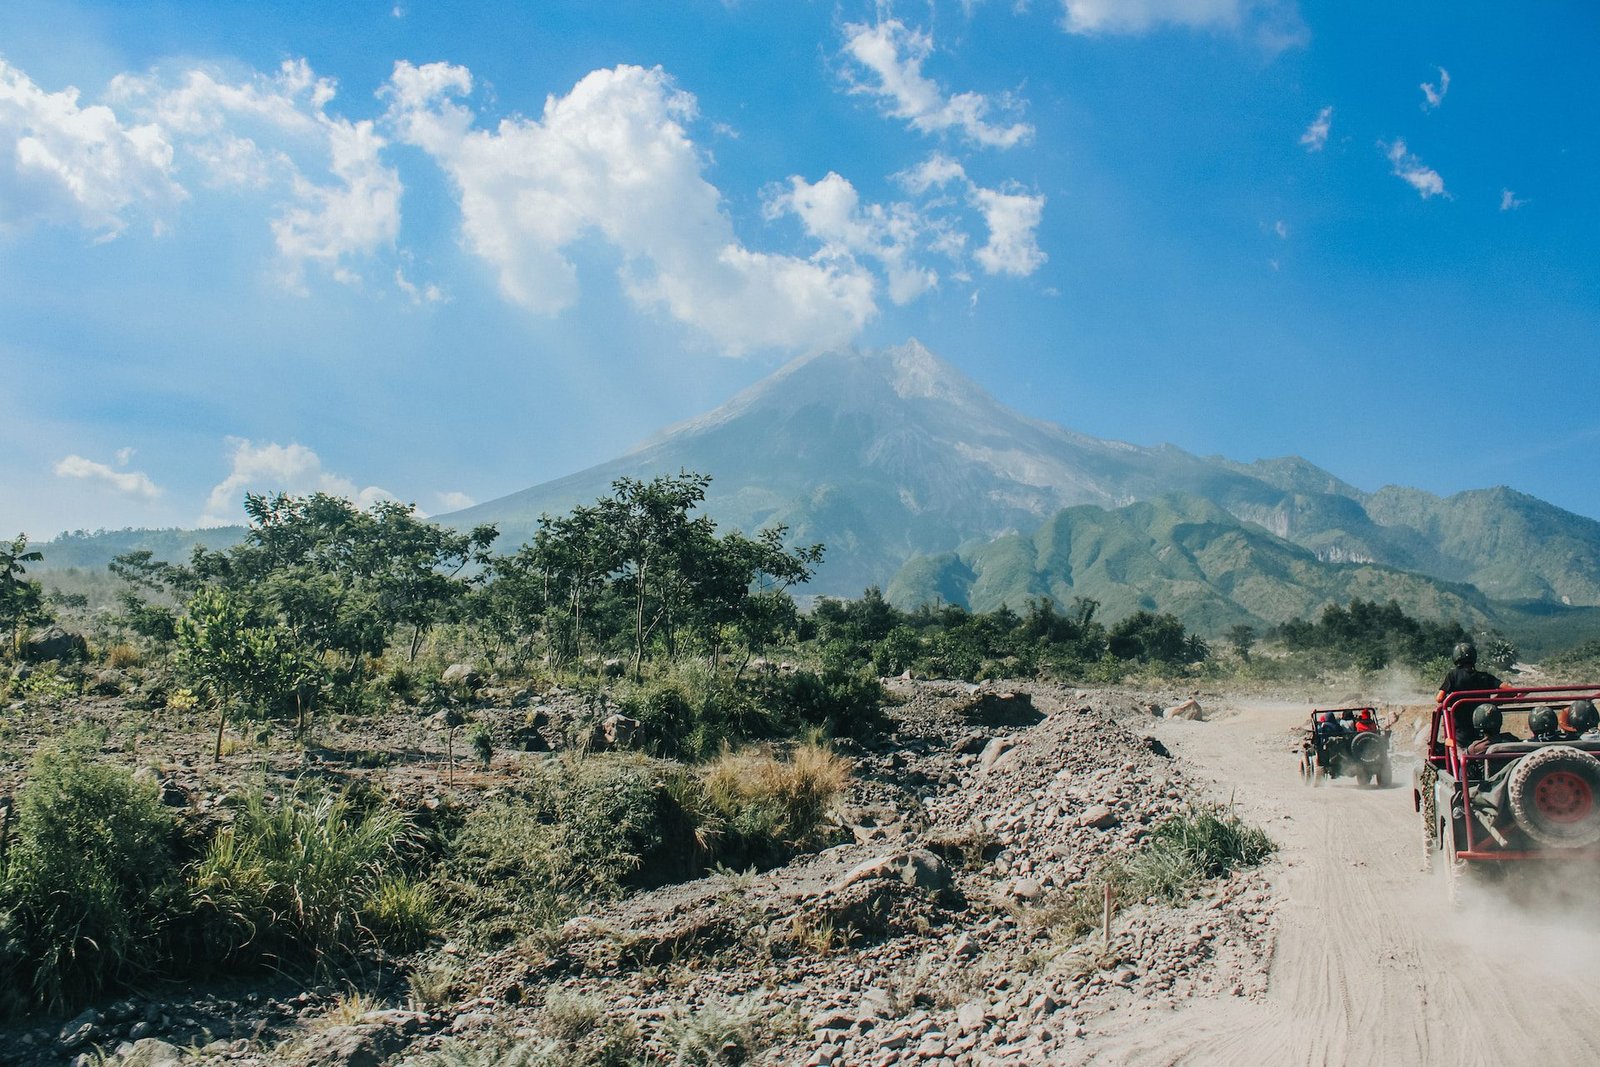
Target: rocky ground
933,936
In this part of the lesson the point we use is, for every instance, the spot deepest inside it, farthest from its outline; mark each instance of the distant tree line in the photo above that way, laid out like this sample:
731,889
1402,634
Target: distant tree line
948,641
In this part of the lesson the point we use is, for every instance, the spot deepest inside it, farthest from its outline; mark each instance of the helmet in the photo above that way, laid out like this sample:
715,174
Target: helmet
1465,654
1584,715
1542,720
1486,719
1364,713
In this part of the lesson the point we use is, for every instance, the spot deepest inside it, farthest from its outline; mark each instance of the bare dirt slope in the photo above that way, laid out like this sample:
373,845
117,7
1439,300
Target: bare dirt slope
1371,964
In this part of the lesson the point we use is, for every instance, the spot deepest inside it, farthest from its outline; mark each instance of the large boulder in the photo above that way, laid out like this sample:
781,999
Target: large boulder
54,645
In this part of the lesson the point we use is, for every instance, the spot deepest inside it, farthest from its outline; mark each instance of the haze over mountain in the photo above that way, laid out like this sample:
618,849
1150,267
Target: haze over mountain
893,454
918,480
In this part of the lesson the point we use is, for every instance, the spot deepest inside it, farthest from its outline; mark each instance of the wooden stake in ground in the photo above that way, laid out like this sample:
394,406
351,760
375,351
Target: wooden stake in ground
1107,927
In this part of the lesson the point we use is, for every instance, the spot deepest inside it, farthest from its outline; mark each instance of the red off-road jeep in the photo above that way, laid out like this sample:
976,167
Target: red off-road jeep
1335,747
1488,802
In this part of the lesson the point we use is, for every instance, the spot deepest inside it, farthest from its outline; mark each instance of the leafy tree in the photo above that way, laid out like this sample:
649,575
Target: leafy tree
1148,637
21,599
1242,637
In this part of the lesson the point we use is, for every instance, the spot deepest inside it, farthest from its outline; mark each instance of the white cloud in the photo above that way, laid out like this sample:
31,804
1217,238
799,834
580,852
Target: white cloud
894,54
1281,228
1138,16
831,212
1408,168
452,500
1509,201
1316,134
129,483
275,468
1013,219
612,159
428,293
65,164
934,172
1433,95
274,133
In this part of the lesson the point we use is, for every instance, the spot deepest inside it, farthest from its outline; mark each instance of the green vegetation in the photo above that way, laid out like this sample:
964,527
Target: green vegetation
89,884
304,878
1181,854
1371,636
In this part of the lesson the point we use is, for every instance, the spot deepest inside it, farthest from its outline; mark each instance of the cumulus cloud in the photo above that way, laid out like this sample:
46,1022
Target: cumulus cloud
452,500
1509,201
1411,170
831,212
1433,95
274,133
612,159
893,55
134,484
935,172
1013,218
1316,134
1281,228
62,163
273,468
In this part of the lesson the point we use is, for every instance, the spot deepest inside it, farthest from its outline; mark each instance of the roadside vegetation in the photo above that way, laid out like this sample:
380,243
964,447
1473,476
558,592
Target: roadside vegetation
714,716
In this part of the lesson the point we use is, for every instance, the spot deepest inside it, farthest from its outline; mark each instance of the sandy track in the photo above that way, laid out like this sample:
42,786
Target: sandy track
1371,966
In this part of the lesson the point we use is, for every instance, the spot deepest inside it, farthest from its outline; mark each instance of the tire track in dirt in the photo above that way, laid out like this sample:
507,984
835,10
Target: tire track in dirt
1371,965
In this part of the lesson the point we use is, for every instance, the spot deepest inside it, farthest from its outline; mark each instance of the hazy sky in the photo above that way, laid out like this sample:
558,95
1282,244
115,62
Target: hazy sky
446,251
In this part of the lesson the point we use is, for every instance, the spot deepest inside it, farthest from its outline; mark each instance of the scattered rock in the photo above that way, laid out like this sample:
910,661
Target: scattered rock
1098,817
54,645
358,1045
1189,709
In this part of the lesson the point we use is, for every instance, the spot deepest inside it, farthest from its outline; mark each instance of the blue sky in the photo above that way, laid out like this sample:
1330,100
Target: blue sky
442,252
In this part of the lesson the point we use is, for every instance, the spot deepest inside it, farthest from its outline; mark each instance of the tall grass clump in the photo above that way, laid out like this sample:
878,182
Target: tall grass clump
765,807
1181,854
306,877
88,883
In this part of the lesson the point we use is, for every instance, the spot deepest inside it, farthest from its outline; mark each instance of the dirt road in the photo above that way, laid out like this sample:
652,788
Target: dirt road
1371,966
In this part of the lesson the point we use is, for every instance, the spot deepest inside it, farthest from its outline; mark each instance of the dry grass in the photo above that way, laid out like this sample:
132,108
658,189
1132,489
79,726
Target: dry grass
791,795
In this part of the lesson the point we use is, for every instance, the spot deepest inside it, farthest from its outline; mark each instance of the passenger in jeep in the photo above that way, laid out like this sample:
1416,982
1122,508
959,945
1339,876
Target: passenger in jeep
1585,719
1365,723
1546,725
1486,726
1328,725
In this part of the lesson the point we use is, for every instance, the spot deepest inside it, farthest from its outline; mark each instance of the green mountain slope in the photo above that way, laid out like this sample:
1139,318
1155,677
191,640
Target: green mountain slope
1177,553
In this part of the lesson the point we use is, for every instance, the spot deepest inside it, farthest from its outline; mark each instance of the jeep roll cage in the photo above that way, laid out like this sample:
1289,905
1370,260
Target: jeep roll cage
1447,753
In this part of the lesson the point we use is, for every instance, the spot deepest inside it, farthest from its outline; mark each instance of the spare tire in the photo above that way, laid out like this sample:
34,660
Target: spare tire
1368,748
1554,795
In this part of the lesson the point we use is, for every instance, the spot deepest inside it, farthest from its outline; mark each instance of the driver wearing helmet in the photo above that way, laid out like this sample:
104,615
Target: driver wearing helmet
1365,723
1465,677
1486,725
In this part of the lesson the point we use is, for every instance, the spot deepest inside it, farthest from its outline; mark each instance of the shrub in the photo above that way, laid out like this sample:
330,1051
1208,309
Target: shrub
89,881
579,831
843,703
767,807
123,655
717,1033
301,877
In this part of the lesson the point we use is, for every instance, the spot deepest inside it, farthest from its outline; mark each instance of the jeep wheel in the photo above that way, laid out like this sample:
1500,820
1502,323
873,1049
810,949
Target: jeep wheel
1554,796
1384,777
1362,776
1319,773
